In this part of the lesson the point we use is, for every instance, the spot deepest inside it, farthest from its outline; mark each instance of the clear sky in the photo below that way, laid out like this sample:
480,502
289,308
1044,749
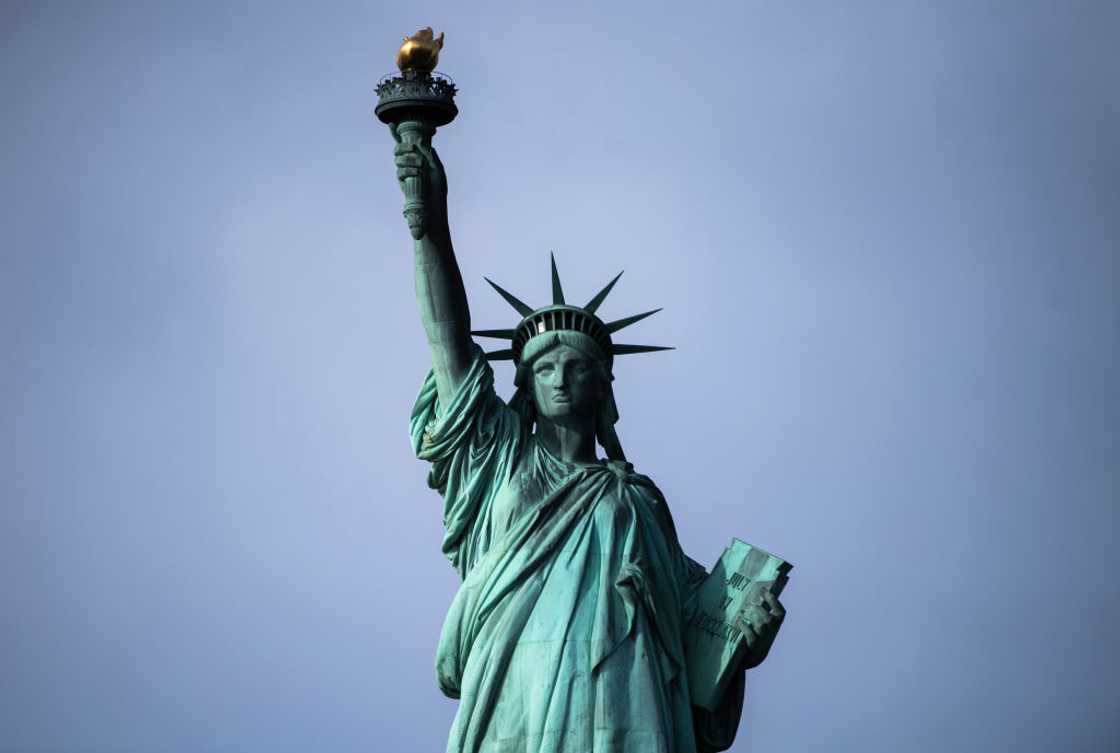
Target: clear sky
887,240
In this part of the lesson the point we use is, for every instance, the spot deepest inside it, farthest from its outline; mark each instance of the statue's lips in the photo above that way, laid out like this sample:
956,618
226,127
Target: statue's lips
562,399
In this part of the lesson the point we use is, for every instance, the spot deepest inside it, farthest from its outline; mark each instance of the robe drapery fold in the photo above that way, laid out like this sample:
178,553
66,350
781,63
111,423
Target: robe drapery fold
565,634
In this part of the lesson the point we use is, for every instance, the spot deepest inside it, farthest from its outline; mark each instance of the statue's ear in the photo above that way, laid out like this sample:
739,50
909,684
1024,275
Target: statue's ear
604,382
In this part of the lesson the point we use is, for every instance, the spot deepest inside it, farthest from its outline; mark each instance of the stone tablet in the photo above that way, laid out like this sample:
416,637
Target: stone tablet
713,643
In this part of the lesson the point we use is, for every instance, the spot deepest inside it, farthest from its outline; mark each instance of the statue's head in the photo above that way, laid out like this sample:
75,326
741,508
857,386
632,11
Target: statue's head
564,355
566,373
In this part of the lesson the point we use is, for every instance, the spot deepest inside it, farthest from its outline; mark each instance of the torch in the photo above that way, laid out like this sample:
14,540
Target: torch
417,101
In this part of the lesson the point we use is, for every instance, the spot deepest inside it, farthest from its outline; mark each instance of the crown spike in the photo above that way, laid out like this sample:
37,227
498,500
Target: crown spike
593,304
521,307
557,291
624,350
502,334
615,326
500,355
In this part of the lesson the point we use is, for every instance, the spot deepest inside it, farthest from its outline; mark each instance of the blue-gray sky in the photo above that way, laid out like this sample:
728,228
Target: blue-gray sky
886,239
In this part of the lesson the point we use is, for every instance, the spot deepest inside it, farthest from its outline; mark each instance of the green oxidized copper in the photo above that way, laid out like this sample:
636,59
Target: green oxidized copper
580,624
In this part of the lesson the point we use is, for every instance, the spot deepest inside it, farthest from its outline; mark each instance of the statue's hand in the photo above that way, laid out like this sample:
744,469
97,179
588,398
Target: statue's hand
759,624
418,159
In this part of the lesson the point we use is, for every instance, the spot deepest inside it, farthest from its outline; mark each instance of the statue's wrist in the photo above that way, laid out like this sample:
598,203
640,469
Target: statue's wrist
436,233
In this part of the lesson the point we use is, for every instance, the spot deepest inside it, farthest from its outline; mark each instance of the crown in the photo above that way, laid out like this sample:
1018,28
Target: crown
563,316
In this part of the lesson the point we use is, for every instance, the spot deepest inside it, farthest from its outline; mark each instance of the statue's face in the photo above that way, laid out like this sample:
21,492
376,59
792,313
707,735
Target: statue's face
565,383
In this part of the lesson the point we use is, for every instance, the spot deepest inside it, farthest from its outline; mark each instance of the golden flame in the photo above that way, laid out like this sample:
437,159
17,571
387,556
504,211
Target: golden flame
420,52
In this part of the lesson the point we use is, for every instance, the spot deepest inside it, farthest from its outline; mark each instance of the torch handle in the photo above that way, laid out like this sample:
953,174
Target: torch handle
415,210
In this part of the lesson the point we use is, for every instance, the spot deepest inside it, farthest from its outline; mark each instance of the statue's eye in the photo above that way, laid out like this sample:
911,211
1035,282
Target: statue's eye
544,368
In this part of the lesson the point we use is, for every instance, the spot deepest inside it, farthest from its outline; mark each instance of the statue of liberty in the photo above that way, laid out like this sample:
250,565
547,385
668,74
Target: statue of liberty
567,631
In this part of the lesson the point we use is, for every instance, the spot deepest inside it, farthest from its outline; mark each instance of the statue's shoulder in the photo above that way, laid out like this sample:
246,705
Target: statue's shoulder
625,471
652,499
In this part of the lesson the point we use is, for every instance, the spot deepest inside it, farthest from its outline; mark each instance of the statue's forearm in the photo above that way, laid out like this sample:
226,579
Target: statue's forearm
443,311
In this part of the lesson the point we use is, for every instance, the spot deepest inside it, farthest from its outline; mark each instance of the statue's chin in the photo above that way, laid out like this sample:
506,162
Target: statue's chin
561,411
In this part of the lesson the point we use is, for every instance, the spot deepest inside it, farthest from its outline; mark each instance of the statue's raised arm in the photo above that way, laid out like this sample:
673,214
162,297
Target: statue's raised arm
413,104
439,284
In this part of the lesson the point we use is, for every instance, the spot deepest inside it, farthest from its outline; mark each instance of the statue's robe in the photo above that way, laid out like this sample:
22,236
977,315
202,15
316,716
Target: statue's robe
565,635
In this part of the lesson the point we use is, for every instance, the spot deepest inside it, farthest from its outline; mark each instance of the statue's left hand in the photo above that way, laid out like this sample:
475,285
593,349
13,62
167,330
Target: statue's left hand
759,624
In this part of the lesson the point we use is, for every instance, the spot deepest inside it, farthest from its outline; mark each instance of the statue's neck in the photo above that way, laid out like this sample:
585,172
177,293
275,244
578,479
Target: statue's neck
570,439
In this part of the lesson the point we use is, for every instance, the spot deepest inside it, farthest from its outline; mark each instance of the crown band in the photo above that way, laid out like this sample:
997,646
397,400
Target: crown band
562,317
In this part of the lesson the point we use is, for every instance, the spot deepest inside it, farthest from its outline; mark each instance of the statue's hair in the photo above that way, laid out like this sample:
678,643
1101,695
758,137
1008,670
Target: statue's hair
607,415
541,344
